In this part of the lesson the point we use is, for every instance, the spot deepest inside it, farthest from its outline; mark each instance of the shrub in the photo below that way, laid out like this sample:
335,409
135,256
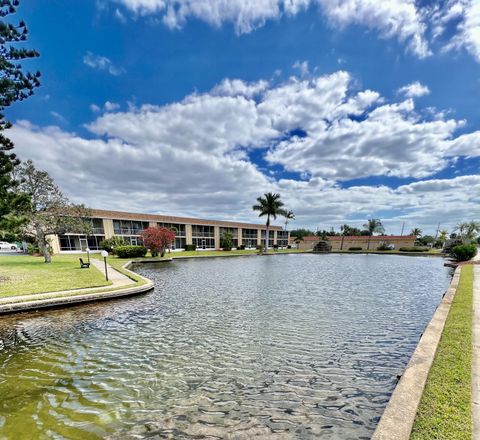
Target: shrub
111,243
241,247
464,252
130,251
355,248
384,247
414,249
190,247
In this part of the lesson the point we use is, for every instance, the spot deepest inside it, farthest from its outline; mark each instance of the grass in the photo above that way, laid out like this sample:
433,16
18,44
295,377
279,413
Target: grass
445,408
23,275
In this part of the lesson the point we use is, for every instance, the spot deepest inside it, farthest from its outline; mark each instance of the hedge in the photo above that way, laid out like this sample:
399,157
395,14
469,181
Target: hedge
355,248
414,249
190,247
130,251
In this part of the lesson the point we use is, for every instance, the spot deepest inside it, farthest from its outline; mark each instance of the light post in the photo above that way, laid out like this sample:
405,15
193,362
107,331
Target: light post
105,255
88,255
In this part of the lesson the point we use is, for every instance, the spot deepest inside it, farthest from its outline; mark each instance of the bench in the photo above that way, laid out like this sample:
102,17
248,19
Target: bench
84,265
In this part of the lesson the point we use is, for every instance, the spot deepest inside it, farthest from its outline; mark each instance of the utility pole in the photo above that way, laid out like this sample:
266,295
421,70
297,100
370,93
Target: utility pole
403,227
438,230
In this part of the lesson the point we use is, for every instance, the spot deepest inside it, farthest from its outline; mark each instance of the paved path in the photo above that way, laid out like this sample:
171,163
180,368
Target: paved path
476,352
118,280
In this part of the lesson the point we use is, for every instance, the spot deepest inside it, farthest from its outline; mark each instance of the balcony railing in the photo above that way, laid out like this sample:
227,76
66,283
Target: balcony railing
127,231
98,231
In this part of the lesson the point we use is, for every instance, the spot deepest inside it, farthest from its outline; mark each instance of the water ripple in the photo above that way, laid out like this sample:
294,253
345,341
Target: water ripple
291,347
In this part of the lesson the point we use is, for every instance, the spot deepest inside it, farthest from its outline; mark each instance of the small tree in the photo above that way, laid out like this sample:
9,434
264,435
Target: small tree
226,241
50,212
158,239
374,225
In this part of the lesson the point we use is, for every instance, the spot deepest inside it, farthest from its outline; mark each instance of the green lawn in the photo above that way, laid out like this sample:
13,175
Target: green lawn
21,275
445,408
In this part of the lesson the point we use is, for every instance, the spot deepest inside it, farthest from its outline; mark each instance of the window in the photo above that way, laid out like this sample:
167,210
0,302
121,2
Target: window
80,242
203,231
127,227
179,228
249,238
270,237
282,238
97,226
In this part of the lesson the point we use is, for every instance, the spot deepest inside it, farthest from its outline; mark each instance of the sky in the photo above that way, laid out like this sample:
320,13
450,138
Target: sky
350,109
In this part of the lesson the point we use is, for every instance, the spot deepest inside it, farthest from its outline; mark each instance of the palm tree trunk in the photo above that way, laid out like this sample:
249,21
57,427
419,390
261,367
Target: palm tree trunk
341,245
267,233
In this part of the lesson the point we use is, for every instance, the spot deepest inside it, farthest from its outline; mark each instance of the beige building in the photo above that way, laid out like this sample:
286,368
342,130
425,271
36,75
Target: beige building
204,234
364,242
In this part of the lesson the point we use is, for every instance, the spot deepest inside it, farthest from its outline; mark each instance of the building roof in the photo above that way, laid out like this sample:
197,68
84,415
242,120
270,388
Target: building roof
119,215
311,238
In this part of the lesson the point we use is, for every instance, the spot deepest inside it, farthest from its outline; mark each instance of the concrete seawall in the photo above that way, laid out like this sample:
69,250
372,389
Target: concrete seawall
397,420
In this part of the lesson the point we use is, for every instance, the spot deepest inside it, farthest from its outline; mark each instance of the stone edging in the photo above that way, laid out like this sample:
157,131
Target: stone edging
81,298
399,415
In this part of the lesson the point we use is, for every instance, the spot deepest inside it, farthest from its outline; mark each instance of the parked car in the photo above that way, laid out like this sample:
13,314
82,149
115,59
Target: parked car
5,246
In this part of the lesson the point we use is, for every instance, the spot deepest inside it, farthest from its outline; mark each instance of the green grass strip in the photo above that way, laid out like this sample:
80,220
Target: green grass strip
445,408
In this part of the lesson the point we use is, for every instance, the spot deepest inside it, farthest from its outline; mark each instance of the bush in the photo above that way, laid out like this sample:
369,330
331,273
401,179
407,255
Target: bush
414,249
464,252
111,243
241,247
355,248
384,247
190,247
130,251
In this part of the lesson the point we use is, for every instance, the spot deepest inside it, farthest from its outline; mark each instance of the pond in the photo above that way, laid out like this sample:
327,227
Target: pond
280,347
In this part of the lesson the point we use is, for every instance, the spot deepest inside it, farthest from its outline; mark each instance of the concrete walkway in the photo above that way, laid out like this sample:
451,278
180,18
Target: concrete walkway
476,352
118,280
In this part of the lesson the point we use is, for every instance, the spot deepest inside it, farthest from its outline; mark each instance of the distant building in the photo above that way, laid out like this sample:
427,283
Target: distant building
205,234
364,242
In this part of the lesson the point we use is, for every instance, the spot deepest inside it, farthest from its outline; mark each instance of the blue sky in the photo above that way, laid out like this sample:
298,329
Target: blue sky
195,108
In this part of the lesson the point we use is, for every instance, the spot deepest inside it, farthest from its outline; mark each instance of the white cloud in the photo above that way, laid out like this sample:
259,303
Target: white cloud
414,89
111,106
192,157
391,18
58,116
468,32
95,108
410,22
237,87
102,63
302,67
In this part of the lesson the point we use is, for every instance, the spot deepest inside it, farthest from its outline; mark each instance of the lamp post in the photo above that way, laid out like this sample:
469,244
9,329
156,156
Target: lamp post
105,255
88,255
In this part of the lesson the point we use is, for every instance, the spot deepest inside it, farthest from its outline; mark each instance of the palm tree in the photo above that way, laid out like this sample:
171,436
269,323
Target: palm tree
416,231
468,230
373,225
289,215
271,206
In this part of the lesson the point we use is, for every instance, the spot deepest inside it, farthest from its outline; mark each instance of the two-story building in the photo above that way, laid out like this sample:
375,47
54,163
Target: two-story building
205,234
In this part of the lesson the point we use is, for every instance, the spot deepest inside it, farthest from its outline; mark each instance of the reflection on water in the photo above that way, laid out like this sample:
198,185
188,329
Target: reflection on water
285,347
